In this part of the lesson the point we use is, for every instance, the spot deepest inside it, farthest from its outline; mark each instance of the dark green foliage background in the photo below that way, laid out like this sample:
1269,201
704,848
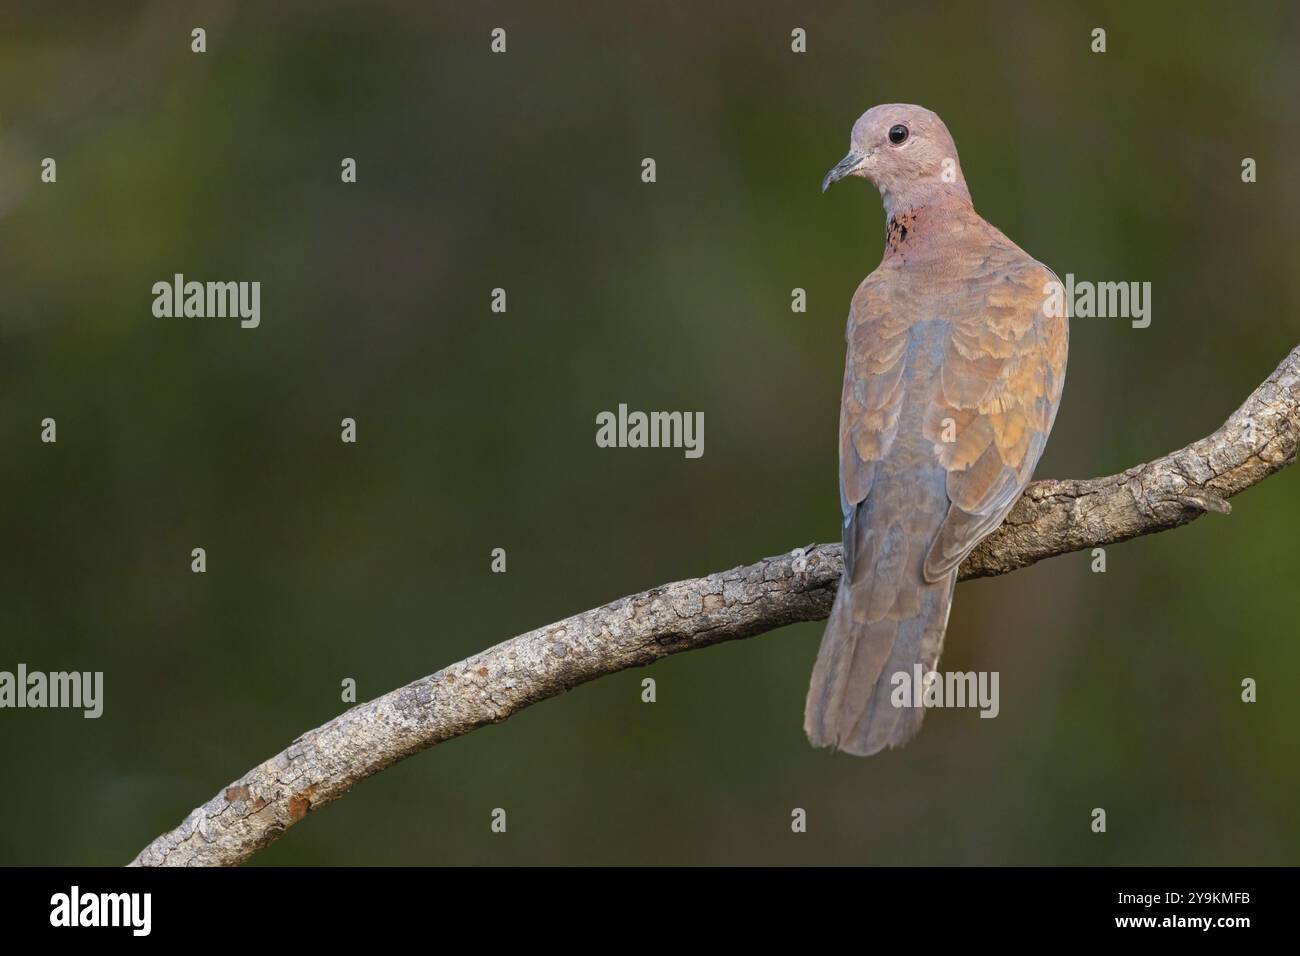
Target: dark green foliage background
477,430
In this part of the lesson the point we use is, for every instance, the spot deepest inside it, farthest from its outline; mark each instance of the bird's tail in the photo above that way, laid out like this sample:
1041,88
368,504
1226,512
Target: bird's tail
851,699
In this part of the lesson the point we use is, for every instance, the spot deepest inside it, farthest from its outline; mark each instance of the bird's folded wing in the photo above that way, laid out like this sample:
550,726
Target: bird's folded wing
872,399
997,395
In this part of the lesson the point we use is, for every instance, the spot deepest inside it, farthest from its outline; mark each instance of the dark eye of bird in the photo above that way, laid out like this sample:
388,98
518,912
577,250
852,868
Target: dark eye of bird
897,134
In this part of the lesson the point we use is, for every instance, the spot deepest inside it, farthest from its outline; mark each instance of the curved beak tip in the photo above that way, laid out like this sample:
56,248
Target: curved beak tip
845,167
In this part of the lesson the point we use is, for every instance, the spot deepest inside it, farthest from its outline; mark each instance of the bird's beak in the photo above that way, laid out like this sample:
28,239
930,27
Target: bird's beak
845,167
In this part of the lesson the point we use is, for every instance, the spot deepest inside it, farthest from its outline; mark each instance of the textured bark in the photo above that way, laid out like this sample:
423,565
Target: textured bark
1052,517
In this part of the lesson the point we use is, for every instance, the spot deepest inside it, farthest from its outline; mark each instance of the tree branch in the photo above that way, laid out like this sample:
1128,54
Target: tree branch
1052,517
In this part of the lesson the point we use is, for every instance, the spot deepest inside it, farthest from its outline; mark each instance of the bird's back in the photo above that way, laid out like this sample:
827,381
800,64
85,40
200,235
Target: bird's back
952,378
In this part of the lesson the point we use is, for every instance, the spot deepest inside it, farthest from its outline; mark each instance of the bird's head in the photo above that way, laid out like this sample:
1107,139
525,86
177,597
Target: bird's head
908,154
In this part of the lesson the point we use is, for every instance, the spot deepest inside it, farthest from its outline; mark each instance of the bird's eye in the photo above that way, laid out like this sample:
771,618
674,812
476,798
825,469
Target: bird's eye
898,134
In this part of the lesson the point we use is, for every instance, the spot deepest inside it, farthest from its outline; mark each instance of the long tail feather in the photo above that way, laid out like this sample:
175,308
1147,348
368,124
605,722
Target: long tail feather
850,705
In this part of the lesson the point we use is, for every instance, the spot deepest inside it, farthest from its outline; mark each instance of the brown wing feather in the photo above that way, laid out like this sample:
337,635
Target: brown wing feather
1003,370
870,402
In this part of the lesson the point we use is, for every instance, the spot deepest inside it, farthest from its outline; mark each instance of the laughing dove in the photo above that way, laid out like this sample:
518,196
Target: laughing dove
951,384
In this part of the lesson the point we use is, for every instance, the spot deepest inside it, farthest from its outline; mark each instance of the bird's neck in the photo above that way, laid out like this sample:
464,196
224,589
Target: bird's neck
917,195
923,213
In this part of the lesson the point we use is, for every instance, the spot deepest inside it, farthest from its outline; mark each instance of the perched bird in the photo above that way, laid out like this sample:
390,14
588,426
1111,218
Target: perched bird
951,384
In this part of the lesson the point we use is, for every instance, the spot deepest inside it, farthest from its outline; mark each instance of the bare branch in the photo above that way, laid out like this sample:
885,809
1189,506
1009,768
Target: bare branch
1053,517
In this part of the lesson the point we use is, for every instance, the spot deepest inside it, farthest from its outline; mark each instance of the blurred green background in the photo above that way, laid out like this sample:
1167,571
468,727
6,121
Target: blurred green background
476,430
